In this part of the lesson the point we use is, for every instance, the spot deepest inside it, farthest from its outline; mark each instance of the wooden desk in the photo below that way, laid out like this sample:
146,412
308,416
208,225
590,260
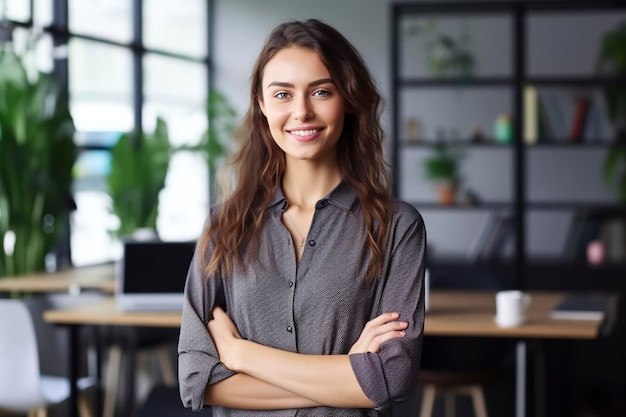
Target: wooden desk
106,312
451,313
99,278
471,313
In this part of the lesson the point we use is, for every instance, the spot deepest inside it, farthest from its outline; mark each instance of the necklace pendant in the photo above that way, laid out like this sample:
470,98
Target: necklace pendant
302,243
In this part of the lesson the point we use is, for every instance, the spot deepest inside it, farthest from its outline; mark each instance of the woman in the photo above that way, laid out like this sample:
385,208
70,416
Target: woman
305,294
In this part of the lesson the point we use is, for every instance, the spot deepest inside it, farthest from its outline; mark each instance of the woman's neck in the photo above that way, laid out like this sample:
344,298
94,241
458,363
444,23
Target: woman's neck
304,184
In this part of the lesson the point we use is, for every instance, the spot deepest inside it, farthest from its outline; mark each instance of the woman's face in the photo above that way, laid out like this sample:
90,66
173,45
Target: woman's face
303,107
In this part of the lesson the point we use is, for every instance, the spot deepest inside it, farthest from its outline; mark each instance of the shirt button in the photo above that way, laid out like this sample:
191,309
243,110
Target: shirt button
290,284
321,204
290,329
311,242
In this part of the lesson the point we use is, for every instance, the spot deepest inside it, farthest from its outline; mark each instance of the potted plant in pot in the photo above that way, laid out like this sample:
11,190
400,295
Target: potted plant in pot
139,165
612,61
442,167
37,155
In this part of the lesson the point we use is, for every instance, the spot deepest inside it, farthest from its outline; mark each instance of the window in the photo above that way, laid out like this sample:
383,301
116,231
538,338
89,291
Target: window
123,71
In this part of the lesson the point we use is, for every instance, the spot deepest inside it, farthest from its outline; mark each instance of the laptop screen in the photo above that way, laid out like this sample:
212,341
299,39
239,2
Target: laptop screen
155,267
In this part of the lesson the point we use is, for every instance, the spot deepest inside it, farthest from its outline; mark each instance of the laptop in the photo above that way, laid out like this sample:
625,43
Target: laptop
151,275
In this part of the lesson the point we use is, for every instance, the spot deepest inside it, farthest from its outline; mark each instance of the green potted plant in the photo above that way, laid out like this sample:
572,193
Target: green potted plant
612,61
442,167
140,162
37,155
445,55
139,165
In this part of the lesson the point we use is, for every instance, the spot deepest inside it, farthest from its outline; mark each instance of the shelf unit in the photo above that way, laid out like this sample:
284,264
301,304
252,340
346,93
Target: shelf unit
517,13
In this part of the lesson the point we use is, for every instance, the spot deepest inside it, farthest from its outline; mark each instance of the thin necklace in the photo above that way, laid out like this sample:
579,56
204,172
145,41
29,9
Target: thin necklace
295,228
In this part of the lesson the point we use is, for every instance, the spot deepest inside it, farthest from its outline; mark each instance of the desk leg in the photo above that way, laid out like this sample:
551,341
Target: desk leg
540,379
130,374
130,366
98,349
73,369
520,380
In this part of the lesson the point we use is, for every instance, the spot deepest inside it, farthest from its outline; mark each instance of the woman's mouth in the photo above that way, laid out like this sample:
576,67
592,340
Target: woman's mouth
305,135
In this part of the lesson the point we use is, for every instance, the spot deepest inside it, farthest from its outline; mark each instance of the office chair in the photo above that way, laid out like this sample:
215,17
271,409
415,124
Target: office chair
23,389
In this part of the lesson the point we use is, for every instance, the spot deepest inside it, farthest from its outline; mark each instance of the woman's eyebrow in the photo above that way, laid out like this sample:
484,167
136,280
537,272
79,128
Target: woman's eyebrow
311,84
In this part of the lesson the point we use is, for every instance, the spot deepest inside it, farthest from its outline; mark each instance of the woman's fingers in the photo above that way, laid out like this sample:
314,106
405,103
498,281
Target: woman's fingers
382,319
219,314
385,332
221,327
388,327
379,330
377,342
224,334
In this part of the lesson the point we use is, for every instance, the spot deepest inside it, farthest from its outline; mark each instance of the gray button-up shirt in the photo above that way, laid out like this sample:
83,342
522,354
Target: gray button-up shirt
318,306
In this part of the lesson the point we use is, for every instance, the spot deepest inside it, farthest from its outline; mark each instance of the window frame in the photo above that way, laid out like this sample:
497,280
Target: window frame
59,31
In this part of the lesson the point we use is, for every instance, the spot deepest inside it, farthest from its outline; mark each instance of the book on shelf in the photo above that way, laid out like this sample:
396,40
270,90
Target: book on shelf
581,112
594,125
492,237
584,306
546,130
551,116
587,124
481,237
531,115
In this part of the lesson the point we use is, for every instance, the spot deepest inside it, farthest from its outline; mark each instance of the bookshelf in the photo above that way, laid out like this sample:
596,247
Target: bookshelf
516,177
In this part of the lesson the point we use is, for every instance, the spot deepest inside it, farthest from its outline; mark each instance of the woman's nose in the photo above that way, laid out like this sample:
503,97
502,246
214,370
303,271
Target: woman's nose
302,109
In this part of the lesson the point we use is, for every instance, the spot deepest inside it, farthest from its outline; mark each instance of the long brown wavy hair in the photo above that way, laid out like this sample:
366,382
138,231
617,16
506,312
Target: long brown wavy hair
260,163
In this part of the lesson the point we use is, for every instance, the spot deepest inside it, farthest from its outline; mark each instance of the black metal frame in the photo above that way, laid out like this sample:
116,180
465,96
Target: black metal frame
518,10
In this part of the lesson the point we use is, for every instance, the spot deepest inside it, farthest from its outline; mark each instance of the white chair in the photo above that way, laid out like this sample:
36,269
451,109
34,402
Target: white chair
23,389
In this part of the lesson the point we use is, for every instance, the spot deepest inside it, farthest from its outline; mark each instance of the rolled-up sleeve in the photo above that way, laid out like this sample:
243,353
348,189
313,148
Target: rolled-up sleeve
198,360
390,375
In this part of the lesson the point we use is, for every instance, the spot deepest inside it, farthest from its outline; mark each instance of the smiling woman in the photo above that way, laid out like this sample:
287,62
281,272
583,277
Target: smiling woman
305,294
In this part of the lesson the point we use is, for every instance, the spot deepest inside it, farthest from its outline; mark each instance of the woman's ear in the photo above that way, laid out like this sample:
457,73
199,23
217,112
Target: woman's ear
262,105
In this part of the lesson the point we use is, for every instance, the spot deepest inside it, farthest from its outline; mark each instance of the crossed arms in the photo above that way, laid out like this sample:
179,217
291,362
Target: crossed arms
269,378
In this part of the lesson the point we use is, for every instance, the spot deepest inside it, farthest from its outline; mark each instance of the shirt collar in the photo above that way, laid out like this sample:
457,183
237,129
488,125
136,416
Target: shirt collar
341,196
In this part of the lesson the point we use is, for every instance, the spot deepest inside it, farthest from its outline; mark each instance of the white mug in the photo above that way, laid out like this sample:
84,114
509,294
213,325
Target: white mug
511,308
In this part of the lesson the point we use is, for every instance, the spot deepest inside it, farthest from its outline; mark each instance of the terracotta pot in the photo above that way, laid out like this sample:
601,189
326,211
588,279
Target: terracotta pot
446,194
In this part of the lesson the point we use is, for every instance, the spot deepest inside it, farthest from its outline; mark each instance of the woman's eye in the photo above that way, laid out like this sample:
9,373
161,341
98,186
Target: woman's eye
322,93
281,95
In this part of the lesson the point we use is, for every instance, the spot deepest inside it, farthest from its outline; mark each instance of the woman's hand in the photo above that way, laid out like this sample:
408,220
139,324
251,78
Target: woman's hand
377,331
225,336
